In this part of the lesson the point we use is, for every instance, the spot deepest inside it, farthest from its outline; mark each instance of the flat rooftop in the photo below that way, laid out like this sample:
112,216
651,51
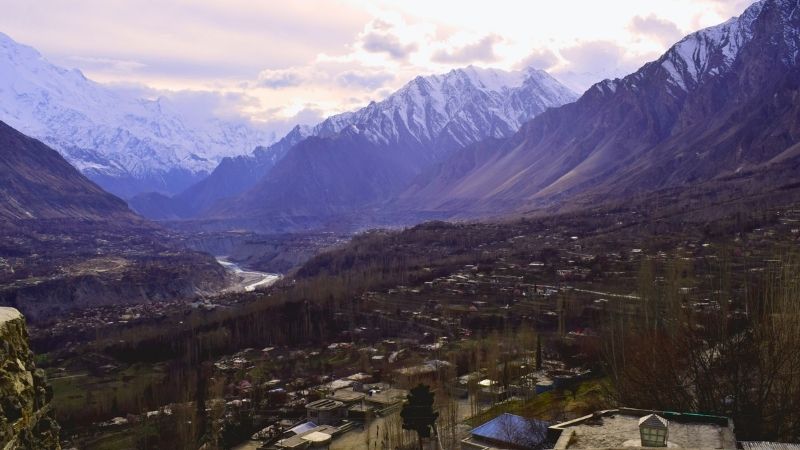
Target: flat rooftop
620,429
347,396
324,405
316,434
387,396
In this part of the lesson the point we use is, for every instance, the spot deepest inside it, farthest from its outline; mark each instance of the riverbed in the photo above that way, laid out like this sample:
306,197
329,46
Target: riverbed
248,280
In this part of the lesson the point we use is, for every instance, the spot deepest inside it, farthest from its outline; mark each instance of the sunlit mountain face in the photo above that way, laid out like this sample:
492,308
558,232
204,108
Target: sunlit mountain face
127,144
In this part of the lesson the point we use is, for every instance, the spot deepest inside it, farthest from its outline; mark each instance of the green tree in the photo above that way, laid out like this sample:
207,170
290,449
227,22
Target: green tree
418,414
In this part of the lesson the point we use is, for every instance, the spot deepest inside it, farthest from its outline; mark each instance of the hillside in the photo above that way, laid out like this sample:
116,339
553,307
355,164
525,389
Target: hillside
66,244
37,183
720,103
365,157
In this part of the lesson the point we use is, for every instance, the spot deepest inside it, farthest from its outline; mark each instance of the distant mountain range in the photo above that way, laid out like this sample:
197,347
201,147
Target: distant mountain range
126,144
233,176
367,156
721,103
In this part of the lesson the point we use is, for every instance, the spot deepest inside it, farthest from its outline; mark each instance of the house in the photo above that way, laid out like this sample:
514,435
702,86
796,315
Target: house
509,431
628,427
307,435
384,399
427,373
347,396
491,391
326,411
244,387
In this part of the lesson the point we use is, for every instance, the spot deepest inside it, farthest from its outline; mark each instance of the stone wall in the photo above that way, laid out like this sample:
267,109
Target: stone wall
26,417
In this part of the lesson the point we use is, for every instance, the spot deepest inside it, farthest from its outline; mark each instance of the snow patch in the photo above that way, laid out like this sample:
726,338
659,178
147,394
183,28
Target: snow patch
469,103
711,51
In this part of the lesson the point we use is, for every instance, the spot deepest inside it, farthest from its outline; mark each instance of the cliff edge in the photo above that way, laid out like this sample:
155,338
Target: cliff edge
26,417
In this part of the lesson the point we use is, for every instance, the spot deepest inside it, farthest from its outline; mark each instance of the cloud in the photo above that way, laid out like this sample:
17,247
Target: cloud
310,115
389,35
480,51
280,123
199,106
367,79
540,59
113,65
586,63
281,78
293,53
181,42
663,31
328,73
593,55
730,8
389,44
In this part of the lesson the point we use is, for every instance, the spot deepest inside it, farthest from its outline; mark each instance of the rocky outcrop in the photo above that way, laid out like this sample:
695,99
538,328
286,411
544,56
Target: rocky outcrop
26,417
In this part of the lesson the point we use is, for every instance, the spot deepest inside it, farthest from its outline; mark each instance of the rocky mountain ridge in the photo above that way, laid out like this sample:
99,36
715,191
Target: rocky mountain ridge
365,157
721,102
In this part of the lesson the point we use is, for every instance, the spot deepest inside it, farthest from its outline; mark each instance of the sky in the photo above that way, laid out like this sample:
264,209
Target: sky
278,63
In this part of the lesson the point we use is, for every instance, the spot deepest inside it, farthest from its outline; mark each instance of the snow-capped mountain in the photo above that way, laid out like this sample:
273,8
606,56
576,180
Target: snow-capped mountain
709,52
423,121
463,106
126,144
719,104
698,57
364,157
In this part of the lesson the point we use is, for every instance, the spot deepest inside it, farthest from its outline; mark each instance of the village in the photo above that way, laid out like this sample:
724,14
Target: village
515,332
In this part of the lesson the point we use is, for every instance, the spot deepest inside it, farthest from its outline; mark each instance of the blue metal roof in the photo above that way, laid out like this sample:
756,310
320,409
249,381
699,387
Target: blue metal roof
303,427
513,430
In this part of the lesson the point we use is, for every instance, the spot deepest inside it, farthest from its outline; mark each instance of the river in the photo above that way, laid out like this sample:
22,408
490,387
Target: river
249,280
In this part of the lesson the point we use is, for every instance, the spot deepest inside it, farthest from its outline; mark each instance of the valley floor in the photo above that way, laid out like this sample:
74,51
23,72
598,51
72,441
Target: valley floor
474,299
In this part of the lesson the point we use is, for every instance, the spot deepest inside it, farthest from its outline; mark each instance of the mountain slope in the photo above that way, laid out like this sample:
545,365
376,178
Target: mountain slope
360,158
425,119
721,101
65,243
126,144
37,183
230,178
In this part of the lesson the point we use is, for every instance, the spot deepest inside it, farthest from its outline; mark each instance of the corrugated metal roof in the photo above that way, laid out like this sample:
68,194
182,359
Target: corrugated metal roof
324,404
512,429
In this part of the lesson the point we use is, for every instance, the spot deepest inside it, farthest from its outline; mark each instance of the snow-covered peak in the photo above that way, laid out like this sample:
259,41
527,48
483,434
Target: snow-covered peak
109,133
492,79
461,106
14,51
711,51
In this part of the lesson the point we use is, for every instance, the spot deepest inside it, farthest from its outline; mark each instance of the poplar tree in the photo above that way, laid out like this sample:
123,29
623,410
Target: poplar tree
418,414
